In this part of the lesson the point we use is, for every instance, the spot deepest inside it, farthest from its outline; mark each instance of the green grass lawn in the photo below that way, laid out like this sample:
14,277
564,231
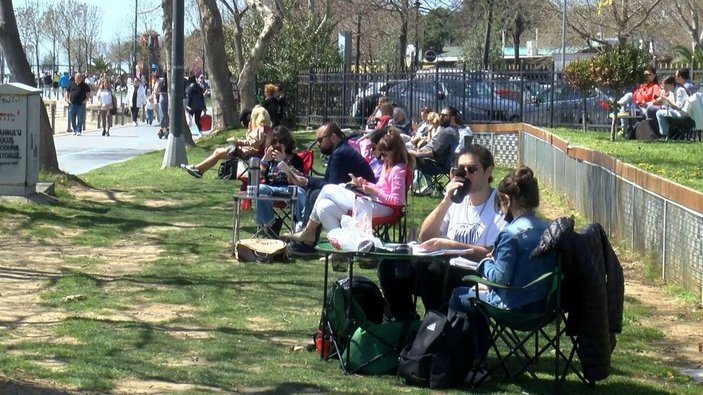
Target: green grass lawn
680,161
219,323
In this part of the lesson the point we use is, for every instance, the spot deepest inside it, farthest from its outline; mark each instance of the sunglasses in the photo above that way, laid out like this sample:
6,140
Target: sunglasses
465,169
321,139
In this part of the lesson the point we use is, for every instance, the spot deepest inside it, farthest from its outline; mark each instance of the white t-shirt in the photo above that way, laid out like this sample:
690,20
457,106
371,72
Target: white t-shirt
478,225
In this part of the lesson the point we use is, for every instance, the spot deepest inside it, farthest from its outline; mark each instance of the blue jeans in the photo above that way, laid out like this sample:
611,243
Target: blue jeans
264,209
77,114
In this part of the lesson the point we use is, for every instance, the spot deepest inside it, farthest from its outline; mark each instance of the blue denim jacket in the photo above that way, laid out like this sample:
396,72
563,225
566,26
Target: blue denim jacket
511,264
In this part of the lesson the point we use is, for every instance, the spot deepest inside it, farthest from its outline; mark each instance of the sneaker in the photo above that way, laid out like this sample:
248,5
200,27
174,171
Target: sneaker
135,124
79,133
477,375
302,249
104,132
192,170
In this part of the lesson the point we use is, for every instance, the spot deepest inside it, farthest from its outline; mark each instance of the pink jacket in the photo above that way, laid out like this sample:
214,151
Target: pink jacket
391,185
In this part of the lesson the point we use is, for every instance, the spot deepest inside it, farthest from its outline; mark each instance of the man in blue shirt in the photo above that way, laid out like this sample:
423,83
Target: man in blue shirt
343,160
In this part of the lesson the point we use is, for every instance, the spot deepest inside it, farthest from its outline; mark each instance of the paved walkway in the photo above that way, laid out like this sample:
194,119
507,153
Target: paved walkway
91,150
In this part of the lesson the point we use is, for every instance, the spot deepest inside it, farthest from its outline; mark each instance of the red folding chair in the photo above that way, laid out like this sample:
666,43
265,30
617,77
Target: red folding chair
393,227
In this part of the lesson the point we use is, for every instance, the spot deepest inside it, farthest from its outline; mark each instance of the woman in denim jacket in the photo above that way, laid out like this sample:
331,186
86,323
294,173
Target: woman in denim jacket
510,263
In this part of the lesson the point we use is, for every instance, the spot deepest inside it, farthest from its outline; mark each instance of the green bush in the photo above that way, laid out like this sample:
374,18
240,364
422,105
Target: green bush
578,75
619,67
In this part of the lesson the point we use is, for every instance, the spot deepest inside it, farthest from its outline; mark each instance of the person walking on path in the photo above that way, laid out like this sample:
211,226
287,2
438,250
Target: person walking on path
77,95
137,98
196,100
163,107
104,98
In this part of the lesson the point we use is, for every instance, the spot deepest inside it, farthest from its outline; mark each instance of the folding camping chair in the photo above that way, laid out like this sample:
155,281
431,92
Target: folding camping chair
393,227
280,209
515,329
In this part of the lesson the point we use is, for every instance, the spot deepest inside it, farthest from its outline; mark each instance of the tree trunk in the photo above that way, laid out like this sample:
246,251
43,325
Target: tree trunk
273,20
21,72
223,106
487,39
403,39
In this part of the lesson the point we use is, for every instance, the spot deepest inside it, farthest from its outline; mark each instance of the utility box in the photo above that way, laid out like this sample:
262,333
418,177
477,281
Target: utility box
20,109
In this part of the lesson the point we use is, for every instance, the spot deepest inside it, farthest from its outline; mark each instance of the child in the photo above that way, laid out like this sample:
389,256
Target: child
149,109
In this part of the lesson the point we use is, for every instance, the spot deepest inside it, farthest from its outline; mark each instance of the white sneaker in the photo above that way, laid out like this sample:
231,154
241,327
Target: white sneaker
477,374
135,124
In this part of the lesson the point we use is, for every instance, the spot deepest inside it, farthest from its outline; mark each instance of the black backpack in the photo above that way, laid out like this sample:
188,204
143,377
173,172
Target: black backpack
443,352
227,170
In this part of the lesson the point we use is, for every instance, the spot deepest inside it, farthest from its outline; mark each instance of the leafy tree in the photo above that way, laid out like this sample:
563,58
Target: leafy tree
578,75
438,29
685,55
618,68
100,65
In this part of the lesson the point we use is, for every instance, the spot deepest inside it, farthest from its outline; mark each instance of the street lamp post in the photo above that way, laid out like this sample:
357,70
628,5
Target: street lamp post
134,52
563,38
417,38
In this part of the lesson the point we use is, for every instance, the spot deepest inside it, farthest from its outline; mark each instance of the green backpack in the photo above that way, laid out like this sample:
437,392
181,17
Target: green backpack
375,349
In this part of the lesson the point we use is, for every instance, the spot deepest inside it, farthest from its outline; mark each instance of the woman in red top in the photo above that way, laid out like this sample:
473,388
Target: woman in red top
645,93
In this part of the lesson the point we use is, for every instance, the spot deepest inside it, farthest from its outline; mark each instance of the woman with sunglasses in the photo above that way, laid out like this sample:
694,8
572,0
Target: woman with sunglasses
335,200
278,158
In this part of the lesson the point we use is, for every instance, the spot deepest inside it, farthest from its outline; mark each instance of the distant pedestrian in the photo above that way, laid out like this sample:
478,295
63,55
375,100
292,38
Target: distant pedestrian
77,95
196,100
163,107
149,108
55,85
47,81
137,98
271,104
104,98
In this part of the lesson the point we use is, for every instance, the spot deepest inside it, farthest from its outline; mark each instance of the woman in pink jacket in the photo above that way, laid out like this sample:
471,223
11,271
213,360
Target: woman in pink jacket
336,200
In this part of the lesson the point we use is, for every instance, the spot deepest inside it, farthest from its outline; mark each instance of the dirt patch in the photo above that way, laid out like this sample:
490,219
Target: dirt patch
130,387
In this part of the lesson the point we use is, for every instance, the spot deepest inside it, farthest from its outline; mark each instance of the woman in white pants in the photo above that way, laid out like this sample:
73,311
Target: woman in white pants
335,201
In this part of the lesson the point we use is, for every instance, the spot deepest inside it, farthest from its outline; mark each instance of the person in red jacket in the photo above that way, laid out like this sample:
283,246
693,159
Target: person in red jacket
644,94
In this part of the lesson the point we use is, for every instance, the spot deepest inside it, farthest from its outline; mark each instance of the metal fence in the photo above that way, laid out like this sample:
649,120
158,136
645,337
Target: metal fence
657,224
538,96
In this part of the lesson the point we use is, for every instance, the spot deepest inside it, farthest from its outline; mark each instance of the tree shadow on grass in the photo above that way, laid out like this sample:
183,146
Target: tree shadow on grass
9,386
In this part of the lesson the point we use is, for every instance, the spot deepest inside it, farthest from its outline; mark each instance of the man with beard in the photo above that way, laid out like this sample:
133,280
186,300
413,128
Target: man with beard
436,157
473,223
343,160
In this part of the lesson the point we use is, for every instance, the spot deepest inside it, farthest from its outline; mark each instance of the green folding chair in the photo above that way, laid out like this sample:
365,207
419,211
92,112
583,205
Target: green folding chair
516,331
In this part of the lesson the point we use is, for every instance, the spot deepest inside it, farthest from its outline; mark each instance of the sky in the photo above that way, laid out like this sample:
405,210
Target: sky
118,17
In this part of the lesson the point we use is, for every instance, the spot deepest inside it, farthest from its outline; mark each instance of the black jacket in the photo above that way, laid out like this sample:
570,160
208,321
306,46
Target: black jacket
593,291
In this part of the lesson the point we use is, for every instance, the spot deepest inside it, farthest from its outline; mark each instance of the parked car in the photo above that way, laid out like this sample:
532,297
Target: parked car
567,107
473,98
365,101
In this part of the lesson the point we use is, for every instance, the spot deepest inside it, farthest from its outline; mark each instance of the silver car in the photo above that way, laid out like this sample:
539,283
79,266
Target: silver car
473,98
567,105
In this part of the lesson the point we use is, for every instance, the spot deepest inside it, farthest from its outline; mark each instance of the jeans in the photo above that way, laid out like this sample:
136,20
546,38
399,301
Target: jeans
149,116
460,302
663,122
105,118
77,116
264,209
163,111
135,114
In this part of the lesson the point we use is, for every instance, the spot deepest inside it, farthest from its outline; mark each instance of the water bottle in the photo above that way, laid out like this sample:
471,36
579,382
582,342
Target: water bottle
253,188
